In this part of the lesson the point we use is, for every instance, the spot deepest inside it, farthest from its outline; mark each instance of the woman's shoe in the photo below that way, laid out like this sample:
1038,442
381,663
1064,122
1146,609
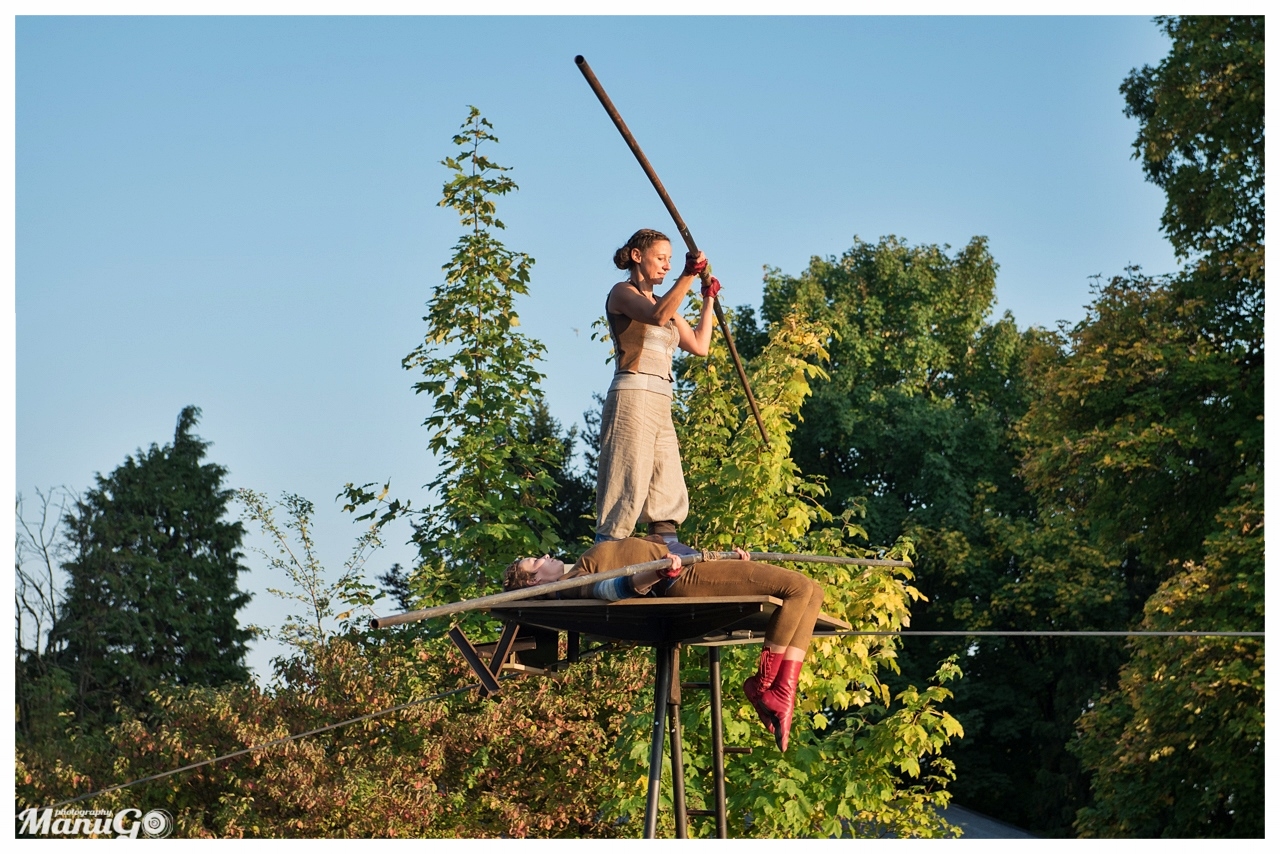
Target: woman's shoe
756,685
780,699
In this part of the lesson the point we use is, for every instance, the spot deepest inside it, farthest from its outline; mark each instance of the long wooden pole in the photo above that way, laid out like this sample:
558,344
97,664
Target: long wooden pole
495,600
680,226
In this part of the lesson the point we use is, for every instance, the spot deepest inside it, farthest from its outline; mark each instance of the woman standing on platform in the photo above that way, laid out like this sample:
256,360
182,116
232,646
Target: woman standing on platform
772,690
640,478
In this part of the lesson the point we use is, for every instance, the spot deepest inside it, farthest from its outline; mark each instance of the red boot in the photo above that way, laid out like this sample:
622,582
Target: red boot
780,699
756,685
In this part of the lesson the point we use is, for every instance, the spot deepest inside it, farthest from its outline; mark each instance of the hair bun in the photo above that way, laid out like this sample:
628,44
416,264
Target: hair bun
642,240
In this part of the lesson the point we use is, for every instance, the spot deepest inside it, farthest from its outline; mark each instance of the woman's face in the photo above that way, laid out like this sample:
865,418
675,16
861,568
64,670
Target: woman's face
653,263
545,569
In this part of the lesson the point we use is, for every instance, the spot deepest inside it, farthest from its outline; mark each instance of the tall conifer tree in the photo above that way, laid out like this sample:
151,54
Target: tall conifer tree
152,591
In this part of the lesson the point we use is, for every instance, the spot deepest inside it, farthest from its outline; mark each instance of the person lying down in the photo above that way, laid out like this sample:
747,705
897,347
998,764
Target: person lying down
772,689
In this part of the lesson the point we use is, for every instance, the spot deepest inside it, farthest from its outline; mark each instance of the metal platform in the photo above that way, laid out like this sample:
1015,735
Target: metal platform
665,624
692,621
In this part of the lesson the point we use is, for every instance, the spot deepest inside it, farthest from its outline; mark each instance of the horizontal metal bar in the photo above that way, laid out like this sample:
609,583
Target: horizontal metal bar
790,558
496,599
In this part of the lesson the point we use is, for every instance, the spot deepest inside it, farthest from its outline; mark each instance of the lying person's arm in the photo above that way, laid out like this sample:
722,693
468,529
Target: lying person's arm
604,557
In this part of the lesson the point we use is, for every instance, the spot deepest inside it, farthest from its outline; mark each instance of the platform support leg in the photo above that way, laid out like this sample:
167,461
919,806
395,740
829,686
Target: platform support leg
501,652
677,750
661,691
717,741
487,680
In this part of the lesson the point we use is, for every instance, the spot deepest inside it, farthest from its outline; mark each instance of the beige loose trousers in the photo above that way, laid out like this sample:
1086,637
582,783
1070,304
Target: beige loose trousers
639,476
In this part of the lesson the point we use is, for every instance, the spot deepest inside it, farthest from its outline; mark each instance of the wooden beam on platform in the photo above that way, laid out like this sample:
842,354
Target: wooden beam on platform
522,644
524,668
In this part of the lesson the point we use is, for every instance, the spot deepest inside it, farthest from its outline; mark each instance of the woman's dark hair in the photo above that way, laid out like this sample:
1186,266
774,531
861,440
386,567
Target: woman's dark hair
642,240
515,578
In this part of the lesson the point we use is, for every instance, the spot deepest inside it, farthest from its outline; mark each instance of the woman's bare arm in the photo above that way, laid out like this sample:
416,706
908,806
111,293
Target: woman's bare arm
626,299
697,339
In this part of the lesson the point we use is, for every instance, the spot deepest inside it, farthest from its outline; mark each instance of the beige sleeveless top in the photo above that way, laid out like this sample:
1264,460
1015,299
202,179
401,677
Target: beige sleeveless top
642,353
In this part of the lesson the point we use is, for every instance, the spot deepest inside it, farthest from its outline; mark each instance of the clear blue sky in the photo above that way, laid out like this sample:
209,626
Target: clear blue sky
240,213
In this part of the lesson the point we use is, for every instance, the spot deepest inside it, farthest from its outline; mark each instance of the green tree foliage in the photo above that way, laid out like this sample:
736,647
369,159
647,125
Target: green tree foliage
300,564
1021,695
751,495
1202,139
1140,425
573,509
1178,747
915,423
1169,375
496,481
915,412
152,592
1115,449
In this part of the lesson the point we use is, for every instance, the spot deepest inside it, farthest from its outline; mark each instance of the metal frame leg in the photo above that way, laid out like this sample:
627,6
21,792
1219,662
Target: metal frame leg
677,750
717,742
661,691
501,652
487,679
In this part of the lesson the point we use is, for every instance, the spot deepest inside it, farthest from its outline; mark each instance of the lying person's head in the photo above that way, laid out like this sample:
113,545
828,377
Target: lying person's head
532,571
